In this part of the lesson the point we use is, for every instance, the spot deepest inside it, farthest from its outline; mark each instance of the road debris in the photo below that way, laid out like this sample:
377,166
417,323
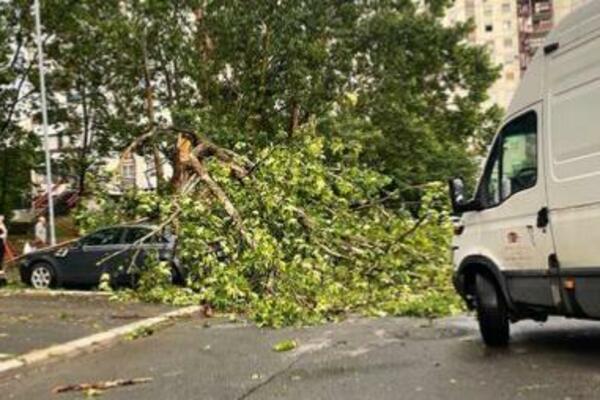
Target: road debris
141,332
285,345
96,387
127,316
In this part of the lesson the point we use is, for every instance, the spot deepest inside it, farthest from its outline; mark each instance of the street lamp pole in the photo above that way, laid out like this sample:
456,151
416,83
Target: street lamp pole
38,36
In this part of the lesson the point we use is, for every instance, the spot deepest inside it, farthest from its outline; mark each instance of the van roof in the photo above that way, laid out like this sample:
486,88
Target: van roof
586,15
581,22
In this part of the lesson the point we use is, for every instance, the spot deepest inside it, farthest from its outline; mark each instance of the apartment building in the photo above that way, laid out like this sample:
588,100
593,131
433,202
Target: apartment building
512,30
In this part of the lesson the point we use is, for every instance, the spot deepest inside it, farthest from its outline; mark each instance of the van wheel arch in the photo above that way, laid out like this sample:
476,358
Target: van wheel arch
466,280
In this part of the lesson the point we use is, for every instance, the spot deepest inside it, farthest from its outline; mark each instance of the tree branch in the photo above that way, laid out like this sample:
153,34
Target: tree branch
220,194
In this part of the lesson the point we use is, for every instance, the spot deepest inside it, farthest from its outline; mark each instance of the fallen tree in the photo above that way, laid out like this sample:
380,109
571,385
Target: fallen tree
309,232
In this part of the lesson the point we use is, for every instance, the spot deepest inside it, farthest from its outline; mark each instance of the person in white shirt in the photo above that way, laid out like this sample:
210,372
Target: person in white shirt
41,234
3,239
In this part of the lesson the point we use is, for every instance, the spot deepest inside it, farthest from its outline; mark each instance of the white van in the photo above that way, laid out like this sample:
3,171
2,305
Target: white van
528,242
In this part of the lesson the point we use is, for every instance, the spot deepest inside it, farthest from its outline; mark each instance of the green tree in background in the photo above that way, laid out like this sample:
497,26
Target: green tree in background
18,148
424,96
385,72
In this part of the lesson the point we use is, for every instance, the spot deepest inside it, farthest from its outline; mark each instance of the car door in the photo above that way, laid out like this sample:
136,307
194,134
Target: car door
514,226
90,259
140,250
134,253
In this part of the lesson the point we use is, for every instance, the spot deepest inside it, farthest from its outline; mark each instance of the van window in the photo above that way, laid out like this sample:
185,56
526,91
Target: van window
512,166
491,188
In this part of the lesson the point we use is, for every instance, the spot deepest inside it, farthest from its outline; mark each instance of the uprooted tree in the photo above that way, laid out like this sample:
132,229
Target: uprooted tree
303,136
309,232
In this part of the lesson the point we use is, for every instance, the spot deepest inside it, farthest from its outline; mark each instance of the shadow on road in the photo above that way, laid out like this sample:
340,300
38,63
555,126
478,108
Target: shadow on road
568,342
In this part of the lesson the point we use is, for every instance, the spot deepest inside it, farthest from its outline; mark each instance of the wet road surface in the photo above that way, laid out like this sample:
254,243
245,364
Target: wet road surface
389,358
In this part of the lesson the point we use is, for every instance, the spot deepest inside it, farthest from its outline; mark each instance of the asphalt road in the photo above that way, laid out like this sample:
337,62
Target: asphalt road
35,321
391,358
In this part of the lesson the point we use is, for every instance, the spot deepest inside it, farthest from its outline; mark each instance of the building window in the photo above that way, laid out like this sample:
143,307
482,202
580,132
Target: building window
488,11
507,25
508,42
128,172
510,76
489,27
506,8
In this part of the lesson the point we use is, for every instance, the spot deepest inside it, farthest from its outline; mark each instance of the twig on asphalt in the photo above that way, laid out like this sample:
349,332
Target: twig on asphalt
103,385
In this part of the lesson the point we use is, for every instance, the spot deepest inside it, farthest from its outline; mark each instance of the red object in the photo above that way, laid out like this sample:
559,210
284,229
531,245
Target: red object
9,252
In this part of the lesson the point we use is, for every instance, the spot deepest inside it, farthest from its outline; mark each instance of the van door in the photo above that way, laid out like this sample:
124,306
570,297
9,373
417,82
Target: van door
514,227
573,119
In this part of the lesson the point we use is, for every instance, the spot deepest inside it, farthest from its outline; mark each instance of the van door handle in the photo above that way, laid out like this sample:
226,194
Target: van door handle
543,218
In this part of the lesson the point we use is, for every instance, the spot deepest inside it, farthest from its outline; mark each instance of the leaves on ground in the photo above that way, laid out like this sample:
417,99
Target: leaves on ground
140,333
285,345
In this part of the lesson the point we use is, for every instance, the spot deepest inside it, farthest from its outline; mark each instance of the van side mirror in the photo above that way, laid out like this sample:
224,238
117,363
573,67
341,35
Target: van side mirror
457,192
459,201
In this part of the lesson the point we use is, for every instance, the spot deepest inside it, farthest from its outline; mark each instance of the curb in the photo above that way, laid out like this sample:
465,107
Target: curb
54,293
91,342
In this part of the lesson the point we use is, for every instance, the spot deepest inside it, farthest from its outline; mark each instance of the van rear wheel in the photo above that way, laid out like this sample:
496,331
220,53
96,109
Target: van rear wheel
492,313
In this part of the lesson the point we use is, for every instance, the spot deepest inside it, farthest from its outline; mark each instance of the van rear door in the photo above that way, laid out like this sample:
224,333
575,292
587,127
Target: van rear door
573,148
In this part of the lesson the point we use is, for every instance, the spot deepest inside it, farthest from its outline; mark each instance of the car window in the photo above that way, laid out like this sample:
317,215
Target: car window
135,234
104,237
512,166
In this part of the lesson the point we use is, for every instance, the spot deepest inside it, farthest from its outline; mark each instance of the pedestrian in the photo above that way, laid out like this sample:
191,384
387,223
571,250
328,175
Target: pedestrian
41,233
3,242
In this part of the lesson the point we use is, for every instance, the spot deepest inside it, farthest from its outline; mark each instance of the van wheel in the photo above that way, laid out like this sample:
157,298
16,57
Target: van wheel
491,313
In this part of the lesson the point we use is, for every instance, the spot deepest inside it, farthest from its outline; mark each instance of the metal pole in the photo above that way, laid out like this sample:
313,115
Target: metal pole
38,37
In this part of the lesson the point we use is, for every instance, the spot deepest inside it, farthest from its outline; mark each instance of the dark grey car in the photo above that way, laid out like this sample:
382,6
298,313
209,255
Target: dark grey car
80,262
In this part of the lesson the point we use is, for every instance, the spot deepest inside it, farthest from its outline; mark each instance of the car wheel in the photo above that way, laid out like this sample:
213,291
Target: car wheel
42,276
176,278
492,313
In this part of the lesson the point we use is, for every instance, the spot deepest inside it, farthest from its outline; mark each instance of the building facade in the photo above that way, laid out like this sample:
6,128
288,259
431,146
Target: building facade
512,30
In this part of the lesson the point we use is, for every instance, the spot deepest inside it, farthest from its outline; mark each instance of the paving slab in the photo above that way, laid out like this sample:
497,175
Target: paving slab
31,321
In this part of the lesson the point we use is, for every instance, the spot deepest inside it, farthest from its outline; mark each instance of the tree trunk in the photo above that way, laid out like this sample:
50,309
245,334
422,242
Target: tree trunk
83,162
149,98
294,118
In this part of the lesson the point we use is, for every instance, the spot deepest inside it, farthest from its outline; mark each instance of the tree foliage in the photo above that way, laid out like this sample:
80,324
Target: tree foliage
247,71
304,135
18,147
323,242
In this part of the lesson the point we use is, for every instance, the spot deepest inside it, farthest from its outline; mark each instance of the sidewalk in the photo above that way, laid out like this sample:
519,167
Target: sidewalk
31,321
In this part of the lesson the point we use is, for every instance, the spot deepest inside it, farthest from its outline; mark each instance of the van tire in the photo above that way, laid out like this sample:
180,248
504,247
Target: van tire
492,313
